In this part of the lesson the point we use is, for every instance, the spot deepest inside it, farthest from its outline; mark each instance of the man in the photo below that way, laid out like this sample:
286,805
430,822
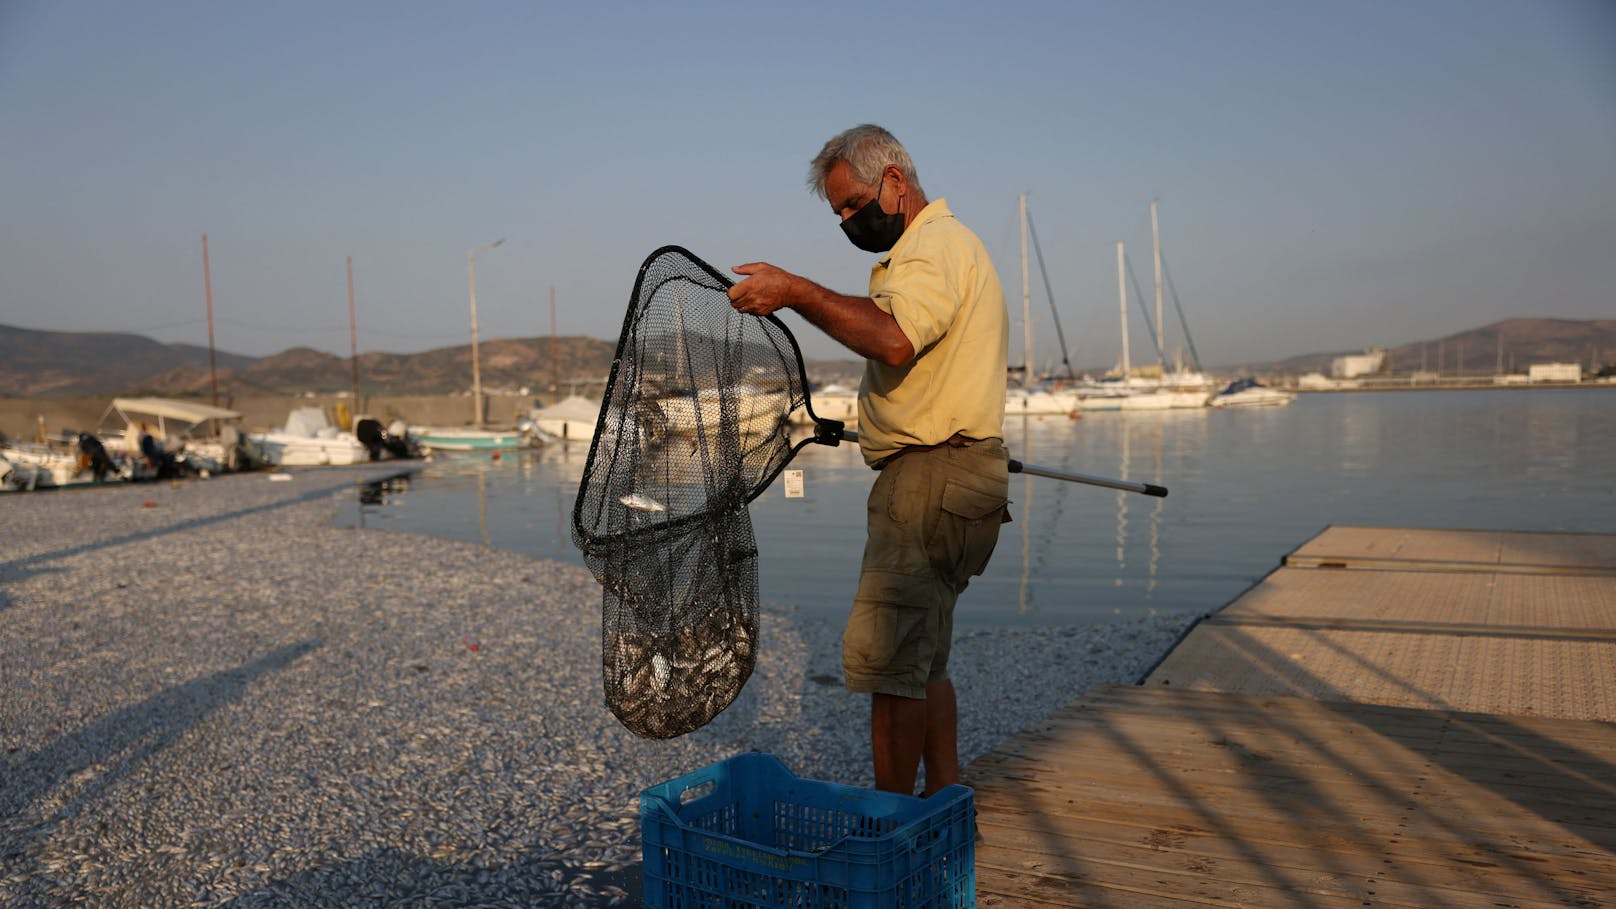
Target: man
934,332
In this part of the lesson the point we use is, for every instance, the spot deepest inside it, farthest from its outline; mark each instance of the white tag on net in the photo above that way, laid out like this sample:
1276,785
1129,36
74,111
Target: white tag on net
793,482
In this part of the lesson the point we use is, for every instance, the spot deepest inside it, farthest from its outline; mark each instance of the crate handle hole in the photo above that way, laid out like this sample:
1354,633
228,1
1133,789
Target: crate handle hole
700,790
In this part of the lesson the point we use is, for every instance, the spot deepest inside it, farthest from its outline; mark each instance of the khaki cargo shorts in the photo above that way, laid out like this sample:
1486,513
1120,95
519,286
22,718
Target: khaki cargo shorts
934,517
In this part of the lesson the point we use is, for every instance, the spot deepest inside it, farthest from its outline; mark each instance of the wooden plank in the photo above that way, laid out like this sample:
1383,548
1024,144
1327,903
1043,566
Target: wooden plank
1525,602
1291,847
1344,546
1554,738
1567,678
1070,855
1152,797
1244,759
1456,820
1438,733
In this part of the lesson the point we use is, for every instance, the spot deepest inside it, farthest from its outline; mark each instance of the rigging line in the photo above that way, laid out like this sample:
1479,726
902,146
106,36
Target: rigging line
1155,334
1195,358
1049,292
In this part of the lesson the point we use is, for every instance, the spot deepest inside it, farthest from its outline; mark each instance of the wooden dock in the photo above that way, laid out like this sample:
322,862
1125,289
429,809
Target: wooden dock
1392,718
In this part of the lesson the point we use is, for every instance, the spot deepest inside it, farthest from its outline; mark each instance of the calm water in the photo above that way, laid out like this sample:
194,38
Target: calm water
1247,487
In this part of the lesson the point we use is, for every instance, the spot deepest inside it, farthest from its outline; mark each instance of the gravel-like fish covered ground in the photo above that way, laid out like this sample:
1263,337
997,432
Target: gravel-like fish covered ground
211,696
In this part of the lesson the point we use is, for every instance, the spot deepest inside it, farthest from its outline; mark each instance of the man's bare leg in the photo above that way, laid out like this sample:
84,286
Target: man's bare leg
941,751
897,738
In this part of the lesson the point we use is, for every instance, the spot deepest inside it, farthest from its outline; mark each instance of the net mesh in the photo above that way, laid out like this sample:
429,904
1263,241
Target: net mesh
695,423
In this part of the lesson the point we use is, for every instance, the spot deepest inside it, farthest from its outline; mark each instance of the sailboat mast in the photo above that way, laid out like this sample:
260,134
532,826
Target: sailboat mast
1161,327
353,340
207,289
1122,306
1026,302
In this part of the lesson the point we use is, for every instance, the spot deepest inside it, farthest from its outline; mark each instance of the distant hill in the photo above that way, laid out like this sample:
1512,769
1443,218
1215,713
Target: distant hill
58,364
1520,342
36,363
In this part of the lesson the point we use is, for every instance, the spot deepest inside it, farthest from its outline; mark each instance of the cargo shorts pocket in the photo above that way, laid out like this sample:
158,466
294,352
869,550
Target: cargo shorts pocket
967,531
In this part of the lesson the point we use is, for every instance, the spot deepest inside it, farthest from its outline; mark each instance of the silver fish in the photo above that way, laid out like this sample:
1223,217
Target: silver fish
641,502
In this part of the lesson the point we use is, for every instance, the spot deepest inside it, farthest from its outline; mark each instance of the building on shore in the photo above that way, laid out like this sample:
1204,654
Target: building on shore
1554,372
1354,365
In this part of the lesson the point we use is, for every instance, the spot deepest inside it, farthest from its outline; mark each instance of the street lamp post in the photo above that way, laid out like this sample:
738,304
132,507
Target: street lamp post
476,365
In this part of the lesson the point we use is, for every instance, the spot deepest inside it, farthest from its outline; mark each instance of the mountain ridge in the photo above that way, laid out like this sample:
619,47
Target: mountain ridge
37,363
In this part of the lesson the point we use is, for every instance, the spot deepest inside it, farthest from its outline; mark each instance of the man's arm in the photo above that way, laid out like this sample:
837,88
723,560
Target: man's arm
856,322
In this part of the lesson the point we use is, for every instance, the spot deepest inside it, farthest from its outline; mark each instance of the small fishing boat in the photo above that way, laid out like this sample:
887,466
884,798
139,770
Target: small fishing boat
467,439
200,437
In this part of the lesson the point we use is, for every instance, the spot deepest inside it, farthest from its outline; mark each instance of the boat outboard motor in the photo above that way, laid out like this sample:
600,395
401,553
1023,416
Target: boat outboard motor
381,443
160,460
371,434
100,462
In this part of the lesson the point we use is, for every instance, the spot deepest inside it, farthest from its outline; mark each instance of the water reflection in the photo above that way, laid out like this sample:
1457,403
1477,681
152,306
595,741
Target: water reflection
1247,487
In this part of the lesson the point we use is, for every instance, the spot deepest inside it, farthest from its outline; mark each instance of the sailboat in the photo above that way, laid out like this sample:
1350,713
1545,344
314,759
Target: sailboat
475,437
1031,398
1148,388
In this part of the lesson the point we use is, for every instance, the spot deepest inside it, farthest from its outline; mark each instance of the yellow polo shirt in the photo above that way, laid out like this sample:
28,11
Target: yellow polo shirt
940,285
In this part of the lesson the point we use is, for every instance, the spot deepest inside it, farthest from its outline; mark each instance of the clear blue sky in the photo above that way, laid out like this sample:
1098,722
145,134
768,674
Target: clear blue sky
1331,175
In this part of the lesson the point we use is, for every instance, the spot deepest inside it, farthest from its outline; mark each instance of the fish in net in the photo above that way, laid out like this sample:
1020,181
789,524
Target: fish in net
695,423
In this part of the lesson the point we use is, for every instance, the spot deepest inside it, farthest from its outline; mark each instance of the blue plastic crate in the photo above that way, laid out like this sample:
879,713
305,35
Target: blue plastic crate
747,834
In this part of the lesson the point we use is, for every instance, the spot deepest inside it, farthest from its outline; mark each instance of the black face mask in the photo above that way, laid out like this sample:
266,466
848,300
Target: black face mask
872,229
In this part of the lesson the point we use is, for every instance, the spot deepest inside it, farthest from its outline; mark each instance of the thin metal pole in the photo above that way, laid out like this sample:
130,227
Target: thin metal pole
476,365
207,285
353,341
1026,302
1122,307
555,364
1161,327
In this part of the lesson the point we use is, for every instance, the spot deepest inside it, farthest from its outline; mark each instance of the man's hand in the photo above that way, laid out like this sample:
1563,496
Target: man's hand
765,289
856,322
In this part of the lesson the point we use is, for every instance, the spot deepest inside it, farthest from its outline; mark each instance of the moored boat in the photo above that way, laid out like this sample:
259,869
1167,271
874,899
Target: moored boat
573,418
309,440
468,439
1251,393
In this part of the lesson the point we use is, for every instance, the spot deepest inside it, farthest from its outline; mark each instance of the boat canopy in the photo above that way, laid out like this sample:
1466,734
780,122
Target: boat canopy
143,410
572,407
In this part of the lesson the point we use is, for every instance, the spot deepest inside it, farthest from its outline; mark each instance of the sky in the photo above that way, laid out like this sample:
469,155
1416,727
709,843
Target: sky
1330,176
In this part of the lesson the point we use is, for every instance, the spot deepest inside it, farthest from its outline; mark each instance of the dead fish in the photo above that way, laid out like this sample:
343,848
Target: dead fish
641,502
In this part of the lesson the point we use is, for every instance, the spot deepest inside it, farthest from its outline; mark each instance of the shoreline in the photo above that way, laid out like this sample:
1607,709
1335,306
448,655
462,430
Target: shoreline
214,696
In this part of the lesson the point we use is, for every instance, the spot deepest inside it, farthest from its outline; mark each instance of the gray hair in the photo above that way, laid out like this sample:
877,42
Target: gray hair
868,150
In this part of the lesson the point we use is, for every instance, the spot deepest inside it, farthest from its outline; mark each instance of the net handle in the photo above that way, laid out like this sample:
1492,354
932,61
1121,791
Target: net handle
1070,476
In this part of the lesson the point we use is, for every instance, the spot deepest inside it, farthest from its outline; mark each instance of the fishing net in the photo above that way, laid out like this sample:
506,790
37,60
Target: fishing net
695,423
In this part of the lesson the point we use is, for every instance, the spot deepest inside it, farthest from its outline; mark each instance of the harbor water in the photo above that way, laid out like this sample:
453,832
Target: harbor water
1247,486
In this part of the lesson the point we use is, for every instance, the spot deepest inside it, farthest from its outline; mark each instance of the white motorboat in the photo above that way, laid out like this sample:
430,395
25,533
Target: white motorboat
1251,393
309,440
1164,399
1031,402
32,466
